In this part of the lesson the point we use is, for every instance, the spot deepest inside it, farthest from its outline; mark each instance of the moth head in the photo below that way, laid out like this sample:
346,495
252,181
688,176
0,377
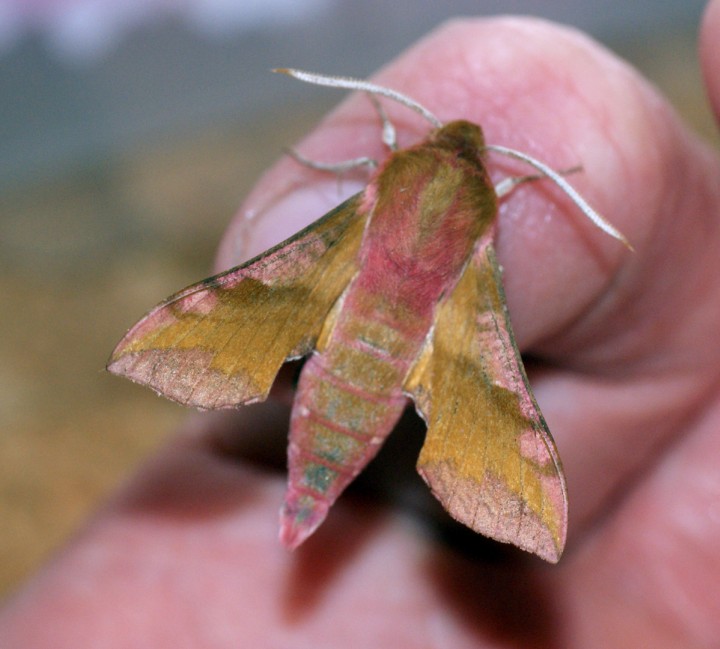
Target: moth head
461,136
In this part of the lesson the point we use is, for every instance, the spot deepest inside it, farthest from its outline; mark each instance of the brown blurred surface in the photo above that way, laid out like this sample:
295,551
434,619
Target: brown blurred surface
80,260
83,257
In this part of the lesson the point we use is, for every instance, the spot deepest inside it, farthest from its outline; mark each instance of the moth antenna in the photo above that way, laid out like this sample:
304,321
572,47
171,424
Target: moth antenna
359,84
563,184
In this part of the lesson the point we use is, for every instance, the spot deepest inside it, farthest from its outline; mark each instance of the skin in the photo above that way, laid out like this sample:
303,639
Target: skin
627,369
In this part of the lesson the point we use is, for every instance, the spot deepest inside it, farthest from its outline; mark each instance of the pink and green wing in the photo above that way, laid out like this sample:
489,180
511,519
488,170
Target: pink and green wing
220,343
488,455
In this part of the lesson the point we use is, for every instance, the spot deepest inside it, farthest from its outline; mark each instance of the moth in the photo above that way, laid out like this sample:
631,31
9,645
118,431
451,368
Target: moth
395,293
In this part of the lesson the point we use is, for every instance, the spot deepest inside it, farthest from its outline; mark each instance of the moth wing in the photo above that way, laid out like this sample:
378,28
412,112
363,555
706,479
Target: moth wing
488,455
220,343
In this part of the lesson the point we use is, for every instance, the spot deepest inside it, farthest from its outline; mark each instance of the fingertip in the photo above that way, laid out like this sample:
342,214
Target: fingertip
534,86
710,53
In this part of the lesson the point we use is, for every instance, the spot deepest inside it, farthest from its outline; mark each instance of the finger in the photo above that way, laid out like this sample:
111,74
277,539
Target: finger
628,367
710,54
649,574
187,555
640,363
514,95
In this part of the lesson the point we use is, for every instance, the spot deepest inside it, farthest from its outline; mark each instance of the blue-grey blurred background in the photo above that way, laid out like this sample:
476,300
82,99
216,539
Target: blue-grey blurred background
129,133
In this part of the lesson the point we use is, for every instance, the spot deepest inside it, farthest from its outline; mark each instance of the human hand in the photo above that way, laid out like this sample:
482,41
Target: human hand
626,372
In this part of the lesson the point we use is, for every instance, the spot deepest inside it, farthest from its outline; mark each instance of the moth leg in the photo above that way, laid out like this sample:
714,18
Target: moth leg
505,186
389,135
333,167
389,138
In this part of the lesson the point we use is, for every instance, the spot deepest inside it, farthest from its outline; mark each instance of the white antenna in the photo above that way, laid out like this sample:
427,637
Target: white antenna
359,84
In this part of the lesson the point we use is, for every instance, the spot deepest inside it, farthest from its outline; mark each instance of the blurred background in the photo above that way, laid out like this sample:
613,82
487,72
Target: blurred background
129,133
